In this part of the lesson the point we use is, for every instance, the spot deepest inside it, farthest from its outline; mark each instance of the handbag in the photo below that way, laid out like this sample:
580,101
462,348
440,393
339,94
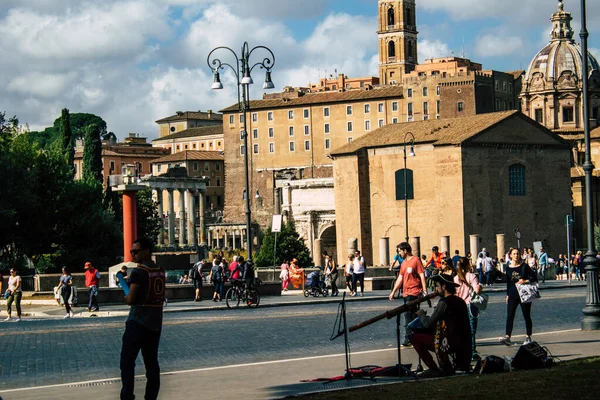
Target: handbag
479,300
7,294
528,292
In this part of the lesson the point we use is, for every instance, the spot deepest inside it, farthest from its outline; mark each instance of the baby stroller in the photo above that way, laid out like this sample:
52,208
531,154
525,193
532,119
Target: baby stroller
315,285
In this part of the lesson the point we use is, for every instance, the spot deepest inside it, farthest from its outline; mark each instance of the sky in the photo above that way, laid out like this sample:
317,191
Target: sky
133,62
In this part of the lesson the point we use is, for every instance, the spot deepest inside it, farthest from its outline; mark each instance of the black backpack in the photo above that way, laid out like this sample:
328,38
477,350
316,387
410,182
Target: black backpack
218,274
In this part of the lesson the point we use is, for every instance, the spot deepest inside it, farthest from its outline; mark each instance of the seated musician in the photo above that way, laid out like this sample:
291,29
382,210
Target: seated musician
450,322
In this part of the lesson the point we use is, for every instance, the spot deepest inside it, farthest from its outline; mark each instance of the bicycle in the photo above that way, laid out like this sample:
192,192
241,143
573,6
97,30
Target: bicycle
239,292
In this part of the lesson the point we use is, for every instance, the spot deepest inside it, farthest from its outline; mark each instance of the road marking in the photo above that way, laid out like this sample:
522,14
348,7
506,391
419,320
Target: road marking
289,360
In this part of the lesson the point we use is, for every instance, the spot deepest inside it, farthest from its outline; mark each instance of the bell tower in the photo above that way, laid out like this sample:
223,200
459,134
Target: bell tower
397,39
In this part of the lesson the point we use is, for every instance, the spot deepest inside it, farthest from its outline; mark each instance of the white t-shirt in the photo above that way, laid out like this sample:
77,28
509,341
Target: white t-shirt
13,282
359,265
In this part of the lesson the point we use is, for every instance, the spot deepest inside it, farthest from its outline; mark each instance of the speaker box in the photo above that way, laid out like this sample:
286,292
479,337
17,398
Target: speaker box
530,356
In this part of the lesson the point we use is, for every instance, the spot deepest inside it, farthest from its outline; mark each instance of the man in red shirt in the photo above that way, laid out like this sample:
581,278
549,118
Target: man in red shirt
92,281
412,281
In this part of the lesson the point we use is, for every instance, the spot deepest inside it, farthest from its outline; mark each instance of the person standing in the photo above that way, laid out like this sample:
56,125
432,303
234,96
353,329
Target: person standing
488,269
92,282
16,293
468,281
348,272
65,288
284,275
517,272
331,272
144,324
196,277
456,258
216,277
296,273
359,273
543,262
412,281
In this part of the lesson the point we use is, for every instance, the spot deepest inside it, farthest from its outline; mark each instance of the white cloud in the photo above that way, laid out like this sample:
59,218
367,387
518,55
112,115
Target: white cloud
492,45
428,49
40,85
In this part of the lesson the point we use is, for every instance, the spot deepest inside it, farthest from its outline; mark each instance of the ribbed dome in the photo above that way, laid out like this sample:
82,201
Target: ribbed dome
561,55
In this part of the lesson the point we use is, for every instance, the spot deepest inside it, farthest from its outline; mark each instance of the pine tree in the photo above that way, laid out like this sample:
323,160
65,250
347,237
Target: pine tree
67,140
92,157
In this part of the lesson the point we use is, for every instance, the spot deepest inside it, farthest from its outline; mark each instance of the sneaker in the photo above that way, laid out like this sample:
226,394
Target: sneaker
70,314
66,316
7,318
527,341
506,341
406,344
352,294
18,319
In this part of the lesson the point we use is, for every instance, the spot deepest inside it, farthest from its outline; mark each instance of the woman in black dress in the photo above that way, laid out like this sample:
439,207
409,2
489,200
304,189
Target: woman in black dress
517,272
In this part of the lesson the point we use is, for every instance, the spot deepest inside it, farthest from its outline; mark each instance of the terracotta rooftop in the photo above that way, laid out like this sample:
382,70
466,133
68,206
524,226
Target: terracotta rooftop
381,92
153,152
452,131
193,132
577,134
190,155
197,115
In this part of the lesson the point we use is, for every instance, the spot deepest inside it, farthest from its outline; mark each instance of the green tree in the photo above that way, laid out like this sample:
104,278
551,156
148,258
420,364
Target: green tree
92,157
78,123
289,245
67,140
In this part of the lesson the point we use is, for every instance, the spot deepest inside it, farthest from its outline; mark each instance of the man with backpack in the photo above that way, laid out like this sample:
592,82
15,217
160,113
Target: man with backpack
195,275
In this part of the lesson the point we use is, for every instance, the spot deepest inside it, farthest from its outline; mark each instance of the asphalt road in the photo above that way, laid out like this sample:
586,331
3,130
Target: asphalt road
48,352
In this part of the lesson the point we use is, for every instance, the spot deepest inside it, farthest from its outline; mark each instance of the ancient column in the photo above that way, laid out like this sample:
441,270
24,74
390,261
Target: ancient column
171,218
201,211
445,245
191,220
384,251
352,245
317,252
182,224
277,205
209,241
500,246
242,238
474,247
161,231
415,244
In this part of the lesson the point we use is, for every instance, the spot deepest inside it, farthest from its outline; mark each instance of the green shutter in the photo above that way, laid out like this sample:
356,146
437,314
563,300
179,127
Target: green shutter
400,184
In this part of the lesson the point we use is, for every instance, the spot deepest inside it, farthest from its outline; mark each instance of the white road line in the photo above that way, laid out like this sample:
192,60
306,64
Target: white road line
254,364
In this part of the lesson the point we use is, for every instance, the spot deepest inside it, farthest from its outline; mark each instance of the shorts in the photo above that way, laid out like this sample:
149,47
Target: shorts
197,283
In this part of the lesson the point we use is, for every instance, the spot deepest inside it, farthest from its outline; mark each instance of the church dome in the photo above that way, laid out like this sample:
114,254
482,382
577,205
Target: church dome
561,60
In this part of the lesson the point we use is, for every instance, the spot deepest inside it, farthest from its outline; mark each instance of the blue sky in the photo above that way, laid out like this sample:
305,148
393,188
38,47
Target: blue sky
135,61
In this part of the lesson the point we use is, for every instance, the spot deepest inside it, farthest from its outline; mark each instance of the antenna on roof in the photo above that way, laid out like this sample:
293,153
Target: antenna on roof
463,47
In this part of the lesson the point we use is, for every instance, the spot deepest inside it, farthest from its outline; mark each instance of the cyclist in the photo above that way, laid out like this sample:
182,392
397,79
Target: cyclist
248,274
397,259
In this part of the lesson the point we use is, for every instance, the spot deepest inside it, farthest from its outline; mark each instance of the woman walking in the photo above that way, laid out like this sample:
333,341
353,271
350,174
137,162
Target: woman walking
468,281
216,277
348,272
14,285
66,291
331,272
285,275
517,272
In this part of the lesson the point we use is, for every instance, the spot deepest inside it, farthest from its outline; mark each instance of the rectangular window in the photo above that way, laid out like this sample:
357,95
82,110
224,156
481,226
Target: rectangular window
271,147
307,145
306,114
291,131
425,91
306,130
409,93
255,148
218,181
438,105
404,185
159,167
270,116
394,120
242,118
539,115
410,109
112,165
504,86
206,166
217,167
460,106
348,110
395,106
425,108
291,114
219,201
380,107
568,114
326,111
254,133
367,125
367,108
380,123
292,146
196,166
241,135
497,85
516,180
509,88
254,117
271,132
349,140
327,144
327,128
349,126
231,120
497,104
242,150
438,90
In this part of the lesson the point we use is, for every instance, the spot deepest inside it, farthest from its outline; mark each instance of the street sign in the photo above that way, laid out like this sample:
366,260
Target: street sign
276,225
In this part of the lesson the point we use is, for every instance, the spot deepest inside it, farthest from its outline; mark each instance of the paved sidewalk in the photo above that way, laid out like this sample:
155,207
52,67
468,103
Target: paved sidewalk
49,308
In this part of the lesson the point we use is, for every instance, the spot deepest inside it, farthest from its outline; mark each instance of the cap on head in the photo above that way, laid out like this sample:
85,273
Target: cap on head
434,248
88,265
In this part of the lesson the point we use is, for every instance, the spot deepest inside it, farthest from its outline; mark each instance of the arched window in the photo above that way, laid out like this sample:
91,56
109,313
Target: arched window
391,49
391,17
400,188
516,180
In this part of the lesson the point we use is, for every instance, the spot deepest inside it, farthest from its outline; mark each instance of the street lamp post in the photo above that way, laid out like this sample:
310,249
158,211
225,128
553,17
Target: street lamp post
591,310
242,71
411,142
